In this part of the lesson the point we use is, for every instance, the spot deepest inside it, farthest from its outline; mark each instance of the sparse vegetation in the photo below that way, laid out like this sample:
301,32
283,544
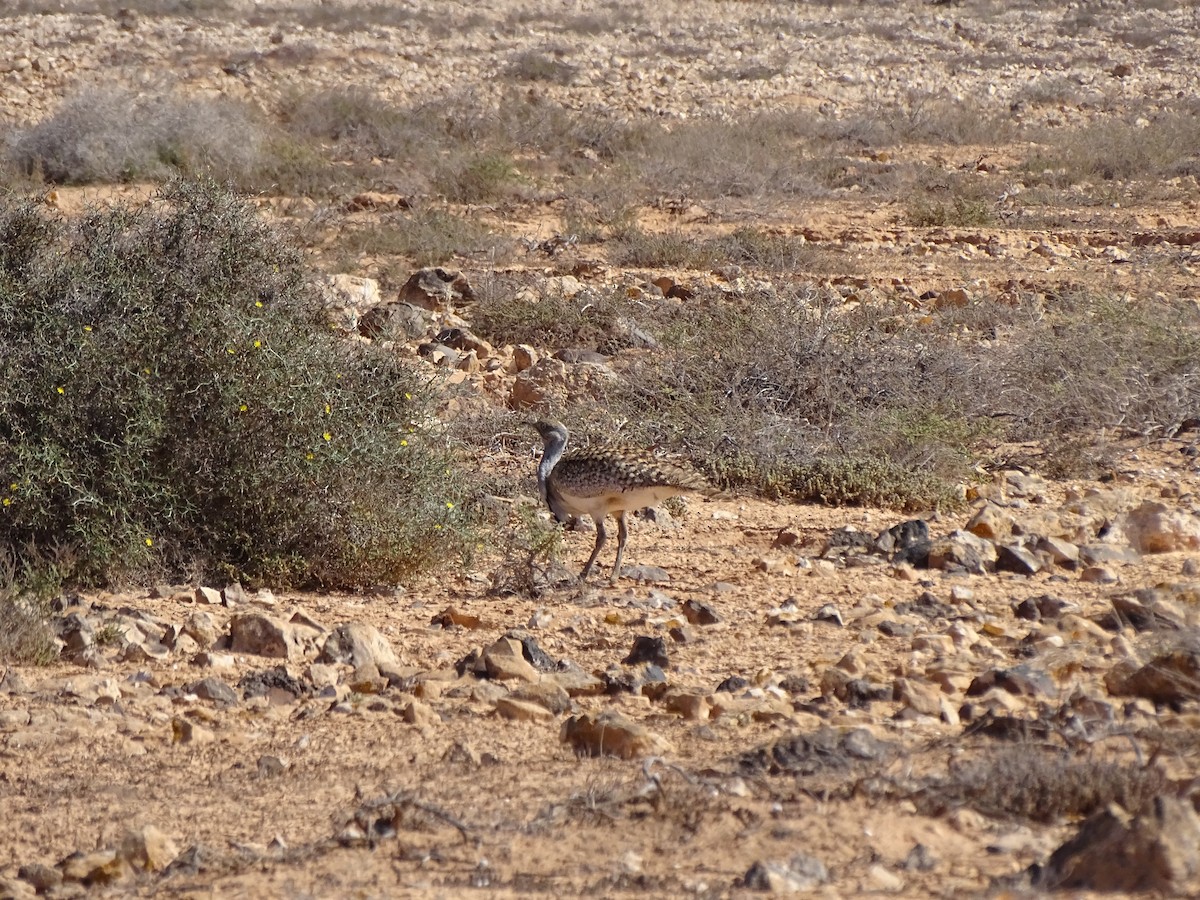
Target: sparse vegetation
1043,787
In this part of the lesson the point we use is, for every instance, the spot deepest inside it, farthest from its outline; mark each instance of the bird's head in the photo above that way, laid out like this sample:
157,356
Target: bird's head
549,429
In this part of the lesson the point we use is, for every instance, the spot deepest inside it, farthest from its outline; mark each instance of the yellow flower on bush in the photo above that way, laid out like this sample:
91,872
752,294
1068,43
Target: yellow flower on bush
403,443
61,390
149,542
449,505
257,344
327,436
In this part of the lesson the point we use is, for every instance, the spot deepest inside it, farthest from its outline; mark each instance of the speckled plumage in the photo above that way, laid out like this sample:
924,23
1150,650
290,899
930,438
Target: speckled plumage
603,481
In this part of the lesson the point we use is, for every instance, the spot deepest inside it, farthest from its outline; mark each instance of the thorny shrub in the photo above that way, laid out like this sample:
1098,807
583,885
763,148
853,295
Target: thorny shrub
174,401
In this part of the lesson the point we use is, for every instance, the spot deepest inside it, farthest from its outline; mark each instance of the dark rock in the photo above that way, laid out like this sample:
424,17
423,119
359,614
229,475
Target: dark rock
1158,850
213,689
1020,680
927,606
906,543
274,683
801,873
733,684
1172,678
647,679
896,629
535,655
1141,612
646,649
699,613
1015,558
436,288
1045,606
848,541
920,859
829,613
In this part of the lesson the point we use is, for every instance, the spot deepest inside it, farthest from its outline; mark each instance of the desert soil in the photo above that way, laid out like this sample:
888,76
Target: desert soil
416,779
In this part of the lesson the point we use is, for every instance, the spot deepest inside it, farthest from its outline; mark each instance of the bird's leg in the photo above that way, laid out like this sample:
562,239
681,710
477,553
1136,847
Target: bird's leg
622,534
600,536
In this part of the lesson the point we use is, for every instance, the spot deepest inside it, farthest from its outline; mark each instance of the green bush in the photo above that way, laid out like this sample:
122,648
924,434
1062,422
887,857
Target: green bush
174,401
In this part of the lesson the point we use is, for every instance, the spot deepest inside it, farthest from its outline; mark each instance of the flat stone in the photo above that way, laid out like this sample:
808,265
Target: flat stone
357,644
611,734
522,710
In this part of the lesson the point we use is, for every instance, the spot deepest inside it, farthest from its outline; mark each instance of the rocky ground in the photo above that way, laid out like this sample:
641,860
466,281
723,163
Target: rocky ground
776,697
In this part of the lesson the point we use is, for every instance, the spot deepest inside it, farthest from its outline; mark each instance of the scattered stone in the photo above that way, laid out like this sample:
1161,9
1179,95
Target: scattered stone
98,867
537,657
419,713
1158,850
699,613
42,878
213,689
277,685
906,543
1015,558
611,734
1094,554
505,660
208,596
645,679
1145,611
1171,678
546,693
884,879
234,595
148,849
646,649
991,522
263,636
1098,575
801,873
523,710
436,289
1060,552
829,613
1045,606
357,644
185,731
202,628
646,574
1154,527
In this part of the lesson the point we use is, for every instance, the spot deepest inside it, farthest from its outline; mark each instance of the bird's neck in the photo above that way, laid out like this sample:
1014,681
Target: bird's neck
555,445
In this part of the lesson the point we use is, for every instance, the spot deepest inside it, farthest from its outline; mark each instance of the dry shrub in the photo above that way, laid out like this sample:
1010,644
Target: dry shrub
1139,150
113,134
1040,786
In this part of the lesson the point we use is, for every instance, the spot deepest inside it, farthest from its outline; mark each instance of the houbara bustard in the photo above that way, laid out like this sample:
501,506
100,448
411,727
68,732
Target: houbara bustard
603,481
